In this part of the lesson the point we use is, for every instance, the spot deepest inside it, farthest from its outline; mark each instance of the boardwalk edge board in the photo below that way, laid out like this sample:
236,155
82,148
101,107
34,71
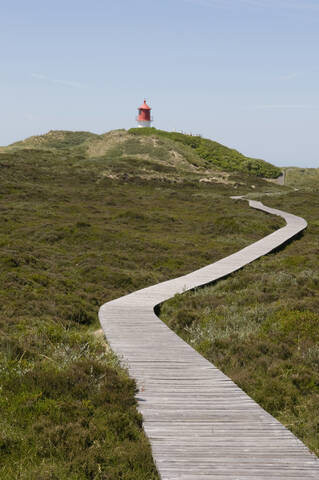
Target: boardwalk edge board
200,424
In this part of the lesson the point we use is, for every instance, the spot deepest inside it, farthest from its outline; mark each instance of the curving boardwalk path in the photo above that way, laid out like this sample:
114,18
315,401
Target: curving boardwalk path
200,424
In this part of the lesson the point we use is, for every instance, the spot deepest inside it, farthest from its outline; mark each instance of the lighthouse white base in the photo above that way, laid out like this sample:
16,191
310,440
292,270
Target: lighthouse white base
144,124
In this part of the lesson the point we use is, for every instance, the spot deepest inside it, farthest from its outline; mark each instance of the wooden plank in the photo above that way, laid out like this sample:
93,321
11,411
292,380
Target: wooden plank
200,424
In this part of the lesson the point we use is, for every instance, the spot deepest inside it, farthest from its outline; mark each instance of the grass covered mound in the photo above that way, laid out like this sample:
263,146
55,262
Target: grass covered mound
214,154
79,227
302,178
55,139
260,326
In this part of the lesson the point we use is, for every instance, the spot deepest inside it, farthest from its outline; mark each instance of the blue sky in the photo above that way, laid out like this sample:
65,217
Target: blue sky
242,72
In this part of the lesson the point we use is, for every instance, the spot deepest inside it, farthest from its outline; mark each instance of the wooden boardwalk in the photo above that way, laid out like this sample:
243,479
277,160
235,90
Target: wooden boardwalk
200,424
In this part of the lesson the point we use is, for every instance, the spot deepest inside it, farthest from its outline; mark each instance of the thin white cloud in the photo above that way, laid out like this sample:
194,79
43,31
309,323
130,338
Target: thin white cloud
281,106
66,83
297,5
28,116
38,75
286,4
290,76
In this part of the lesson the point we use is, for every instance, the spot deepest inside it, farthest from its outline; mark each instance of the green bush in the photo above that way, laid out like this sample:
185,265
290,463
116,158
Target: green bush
216,154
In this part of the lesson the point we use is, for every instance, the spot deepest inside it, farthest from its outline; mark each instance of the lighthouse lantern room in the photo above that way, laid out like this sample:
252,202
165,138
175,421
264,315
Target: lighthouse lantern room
144,118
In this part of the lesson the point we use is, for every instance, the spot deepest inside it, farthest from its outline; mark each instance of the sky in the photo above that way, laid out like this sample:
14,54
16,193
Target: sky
242,72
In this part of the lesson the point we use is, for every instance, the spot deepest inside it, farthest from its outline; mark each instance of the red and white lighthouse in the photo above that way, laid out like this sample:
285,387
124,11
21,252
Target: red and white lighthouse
144,118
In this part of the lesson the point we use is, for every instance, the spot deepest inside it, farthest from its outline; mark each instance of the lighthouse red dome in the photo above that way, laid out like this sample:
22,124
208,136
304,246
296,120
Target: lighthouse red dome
144,106
144,115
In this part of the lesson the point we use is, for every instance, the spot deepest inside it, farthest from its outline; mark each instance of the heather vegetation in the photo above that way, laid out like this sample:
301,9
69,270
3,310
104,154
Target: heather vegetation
261,325
93,220
214,154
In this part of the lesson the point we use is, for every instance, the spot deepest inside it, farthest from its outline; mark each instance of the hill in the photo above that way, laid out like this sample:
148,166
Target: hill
59,139
216,155
197,151
85,219
302,178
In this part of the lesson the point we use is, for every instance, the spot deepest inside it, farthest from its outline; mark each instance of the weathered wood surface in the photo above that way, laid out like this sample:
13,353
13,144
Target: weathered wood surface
199,423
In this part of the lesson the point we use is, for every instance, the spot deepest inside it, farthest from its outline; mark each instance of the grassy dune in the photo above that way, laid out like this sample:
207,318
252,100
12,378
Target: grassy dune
214,154
85,219
302,178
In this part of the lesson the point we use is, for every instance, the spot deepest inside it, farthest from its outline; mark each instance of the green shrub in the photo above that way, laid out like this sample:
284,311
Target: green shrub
216,154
